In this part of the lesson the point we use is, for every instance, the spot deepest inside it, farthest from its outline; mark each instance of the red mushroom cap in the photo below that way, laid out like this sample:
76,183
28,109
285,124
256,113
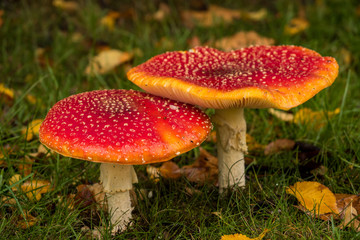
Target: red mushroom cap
120,126
255,77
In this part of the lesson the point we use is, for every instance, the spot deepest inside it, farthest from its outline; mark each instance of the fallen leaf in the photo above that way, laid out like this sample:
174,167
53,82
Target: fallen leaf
279,145
241,40
284,116
314,119
35,188
255,15
25,168
109,20
8,200
13,180
69,6
253,145
32,129
296,25
28,221
212,16
6,94
351,218
239,236
314,197
349,207
42,151
204,169
170,170
106,61
153,172
161,13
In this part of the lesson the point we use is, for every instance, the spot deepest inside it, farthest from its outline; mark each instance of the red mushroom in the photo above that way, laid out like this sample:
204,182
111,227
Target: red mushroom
255,77
121,128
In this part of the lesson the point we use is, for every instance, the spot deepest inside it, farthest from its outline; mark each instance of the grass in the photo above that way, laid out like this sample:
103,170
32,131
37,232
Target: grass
171,213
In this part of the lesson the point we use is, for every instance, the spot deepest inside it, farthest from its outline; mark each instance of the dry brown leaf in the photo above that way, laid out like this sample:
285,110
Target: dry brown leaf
204,169
170,170
279,145
349,207
35,188
241,40
69,6
32,129
106,61
296,25
244,237
213,16
314,197
29,220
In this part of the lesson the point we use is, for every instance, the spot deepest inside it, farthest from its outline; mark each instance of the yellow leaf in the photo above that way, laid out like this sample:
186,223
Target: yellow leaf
14,179
35,188
106,61
109,20
296,26
69,6
256,15
244,237
314,197
32,129
316,119
6,94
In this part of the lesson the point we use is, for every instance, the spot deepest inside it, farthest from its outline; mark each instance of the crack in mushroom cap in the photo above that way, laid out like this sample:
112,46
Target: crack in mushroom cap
254,77
121,126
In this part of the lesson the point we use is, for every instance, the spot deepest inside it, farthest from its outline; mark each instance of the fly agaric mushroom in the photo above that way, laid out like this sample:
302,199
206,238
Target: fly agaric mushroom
255,77
121,128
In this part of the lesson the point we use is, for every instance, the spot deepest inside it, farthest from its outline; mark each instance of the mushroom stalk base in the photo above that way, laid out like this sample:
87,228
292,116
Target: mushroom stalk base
231,147
117,181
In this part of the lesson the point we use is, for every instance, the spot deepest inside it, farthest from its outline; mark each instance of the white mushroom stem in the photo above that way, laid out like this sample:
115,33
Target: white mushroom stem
117,181
231,146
